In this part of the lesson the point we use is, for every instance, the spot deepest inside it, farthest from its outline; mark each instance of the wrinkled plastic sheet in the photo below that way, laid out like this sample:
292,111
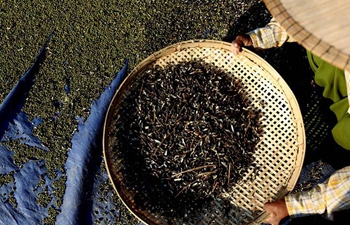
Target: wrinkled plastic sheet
82,171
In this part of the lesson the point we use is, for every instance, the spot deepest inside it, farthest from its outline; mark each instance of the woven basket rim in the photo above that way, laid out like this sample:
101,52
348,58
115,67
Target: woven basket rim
253,59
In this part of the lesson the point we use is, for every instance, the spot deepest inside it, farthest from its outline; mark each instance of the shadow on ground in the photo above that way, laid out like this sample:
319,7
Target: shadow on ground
291,62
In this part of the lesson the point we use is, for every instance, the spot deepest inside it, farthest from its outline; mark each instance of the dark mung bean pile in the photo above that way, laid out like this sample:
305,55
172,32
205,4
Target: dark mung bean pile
190,127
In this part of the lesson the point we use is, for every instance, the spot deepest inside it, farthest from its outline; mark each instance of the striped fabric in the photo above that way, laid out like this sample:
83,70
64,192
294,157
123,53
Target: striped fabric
323,198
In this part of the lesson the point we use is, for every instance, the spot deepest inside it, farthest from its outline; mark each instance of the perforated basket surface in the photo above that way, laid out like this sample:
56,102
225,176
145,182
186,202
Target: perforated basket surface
278,156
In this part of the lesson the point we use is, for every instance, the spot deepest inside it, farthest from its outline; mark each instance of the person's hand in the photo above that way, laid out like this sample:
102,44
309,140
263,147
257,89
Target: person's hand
241,41
277,210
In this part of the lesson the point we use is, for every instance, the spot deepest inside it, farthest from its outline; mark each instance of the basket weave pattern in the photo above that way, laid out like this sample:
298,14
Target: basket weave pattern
279,155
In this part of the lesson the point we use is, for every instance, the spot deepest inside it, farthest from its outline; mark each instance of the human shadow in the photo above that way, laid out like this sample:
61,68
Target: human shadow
291,62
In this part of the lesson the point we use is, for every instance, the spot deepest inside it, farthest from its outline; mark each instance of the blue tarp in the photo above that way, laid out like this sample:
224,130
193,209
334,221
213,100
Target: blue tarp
82,170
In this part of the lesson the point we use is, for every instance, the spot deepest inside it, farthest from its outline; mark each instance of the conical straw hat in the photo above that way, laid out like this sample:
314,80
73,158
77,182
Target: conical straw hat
321,26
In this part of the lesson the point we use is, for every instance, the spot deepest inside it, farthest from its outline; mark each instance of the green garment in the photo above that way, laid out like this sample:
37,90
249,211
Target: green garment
333,81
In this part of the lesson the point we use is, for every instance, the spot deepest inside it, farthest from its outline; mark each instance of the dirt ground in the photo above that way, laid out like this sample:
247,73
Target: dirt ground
90,43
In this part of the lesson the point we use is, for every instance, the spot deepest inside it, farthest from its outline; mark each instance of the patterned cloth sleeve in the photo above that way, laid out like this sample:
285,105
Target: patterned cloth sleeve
325,198
270,36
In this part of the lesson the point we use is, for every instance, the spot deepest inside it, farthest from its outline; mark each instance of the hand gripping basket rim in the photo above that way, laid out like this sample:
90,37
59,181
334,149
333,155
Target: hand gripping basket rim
279,155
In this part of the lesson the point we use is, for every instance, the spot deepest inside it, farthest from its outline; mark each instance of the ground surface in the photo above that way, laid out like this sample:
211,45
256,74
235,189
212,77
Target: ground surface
92,40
